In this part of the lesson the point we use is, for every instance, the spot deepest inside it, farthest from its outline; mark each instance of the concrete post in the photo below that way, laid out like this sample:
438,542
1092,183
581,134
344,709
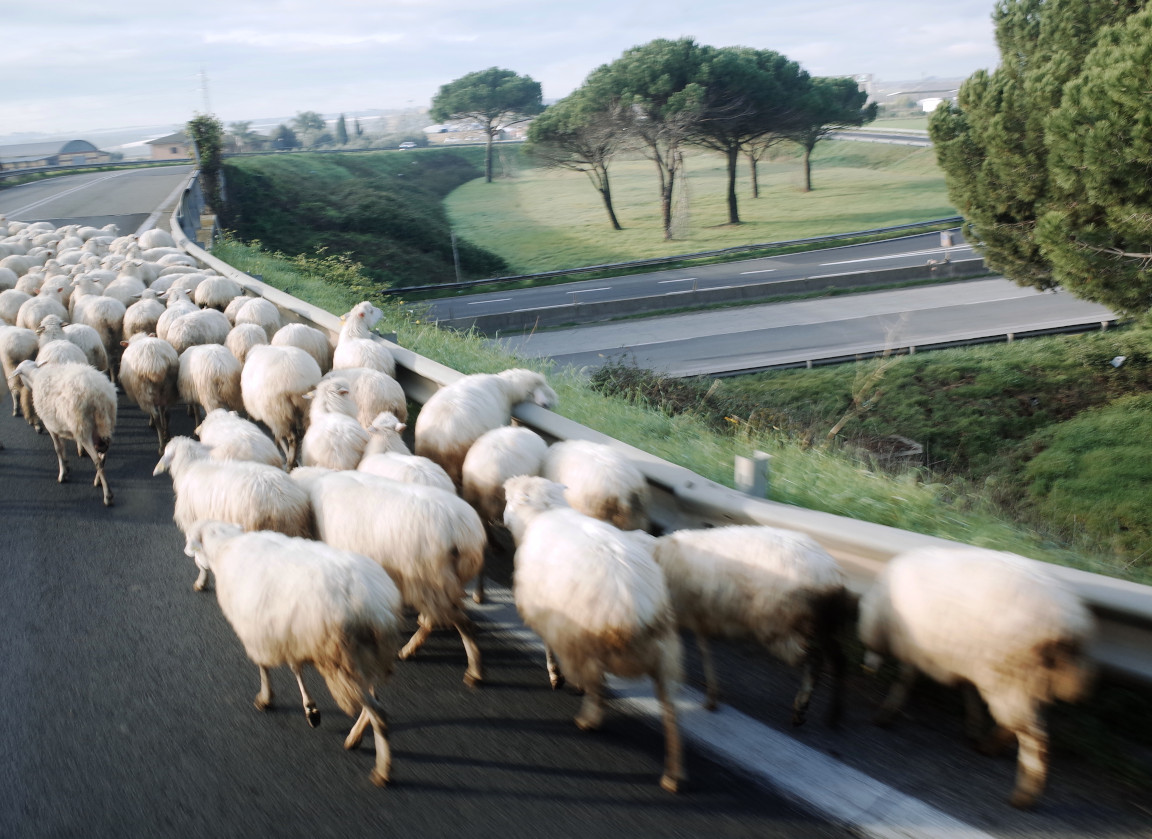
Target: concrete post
751,474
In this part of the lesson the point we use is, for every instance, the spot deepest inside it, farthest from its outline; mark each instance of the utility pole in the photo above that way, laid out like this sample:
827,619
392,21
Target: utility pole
204,90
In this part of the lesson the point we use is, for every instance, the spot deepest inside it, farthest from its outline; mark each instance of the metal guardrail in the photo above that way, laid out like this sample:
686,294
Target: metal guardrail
664,260
682,498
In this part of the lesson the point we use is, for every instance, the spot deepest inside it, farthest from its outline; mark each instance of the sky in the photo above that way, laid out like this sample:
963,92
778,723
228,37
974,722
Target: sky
72,66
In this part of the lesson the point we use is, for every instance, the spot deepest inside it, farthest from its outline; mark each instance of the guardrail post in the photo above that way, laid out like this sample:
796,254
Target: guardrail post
751,474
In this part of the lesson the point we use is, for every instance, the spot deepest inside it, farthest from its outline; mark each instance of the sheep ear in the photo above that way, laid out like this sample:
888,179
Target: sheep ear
343,391
310,394
400,426
123,343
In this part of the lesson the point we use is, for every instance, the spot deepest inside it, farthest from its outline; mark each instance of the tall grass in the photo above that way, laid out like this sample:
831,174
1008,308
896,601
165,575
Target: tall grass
544,219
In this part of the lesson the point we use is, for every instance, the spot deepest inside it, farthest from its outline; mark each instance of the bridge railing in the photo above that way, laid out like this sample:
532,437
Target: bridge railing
682,498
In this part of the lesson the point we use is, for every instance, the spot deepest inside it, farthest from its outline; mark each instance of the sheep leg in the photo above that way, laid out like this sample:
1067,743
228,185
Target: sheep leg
809,671
475,672
98,459
555,677
159,423
424,629
61,457
592,708
709,672
201,580
674,774
1031,765
311,712
478,592
839,664
358,728
264,697
382,771
897,696
976,722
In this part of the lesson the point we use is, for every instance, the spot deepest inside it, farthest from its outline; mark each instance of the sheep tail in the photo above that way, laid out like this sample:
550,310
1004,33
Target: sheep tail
362,655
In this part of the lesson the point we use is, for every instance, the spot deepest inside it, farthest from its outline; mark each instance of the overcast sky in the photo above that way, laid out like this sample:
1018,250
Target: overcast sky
74,65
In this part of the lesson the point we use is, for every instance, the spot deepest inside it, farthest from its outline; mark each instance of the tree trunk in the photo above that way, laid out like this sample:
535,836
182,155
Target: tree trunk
807,168
666,204
606,194
488,157
733,159
755,179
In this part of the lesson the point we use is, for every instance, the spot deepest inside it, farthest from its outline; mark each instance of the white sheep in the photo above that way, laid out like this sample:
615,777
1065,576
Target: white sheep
49,301
455,416
272,385
995,621
243,337
334,439
297,602
155,237
231,437
81,336
599,482
308,338
777,587
143,315
10,302
216,293
17,345
357,347
373,392
209,378
204,326
254,496
430,542
384,435
74,402
103,314
261,312
148,373
177,304
406,468
598,600
502,453
129,283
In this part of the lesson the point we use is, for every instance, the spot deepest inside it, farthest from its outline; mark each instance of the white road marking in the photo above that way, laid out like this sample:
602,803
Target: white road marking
482,302
586,290
52,198
900,255
761,271
685,280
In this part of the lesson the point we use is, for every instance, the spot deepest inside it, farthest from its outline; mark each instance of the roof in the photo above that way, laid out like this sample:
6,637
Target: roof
48,148
168,139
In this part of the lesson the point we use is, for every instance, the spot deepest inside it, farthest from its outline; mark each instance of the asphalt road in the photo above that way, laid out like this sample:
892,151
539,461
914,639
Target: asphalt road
903,252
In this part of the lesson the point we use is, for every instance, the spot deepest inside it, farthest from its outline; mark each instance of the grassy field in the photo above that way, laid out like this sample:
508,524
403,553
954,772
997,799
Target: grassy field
918,123
543,219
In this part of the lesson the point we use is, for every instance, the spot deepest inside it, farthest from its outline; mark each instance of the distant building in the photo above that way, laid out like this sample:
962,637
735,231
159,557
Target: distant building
171,147
51,154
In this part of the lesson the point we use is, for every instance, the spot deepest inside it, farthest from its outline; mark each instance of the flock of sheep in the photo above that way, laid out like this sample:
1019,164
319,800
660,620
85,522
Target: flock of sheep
303,501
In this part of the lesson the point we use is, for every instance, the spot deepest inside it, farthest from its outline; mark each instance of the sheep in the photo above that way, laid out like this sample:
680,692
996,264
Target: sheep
296,602
80,335
177,304
209,378
47,302
104,314
357,347
456,415
231,437
499,454
993,621
74,402
259,311
155,237
308,338
204,326
129,283
428,540
148,373
334,439
143,315
10,302
254,496
778,587
373,392
272,386
60,351
17,345
217,293
242,338
598,601
599,482
384,435
406,468
7,279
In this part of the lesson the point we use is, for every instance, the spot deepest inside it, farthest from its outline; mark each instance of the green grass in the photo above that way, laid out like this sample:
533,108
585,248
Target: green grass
544,220
918,123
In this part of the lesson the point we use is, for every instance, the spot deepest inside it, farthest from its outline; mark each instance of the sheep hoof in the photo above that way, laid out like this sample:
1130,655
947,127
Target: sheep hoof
670,784
108,501
478,597
710,704
473,679
557,681
1023,800
313,715
799,717
262,704
379,778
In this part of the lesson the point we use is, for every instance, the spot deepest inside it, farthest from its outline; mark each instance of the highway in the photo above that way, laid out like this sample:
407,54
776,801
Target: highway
128,712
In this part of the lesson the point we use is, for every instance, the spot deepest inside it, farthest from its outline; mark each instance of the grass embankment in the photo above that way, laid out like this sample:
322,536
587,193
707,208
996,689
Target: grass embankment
830,480
385,207
544,220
